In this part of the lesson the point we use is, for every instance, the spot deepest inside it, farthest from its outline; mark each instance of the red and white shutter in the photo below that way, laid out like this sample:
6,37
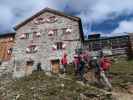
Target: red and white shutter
36,49
28,50
48,20
64,46
50,33
54,47
68,30
22,36
38,34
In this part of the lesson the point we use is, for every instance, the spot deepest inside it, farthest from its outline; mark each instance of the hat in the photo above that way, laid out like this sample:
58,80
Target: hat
94,58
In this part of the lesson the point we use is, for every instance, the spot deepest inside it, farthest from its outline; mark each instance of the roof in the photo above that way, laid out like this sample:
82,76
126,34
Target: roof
46,10
12,34
106,38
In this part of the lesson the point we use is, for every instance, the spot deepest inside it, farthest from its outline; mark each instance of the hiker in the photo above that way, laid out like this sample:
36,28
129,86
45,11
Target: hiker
86,56
94,64
39,68
76,64
64,62
105,63
81,67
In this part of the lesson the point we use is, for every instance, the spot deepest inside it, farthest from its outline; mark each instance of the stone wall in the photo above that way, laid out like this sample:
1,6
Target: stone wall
44,43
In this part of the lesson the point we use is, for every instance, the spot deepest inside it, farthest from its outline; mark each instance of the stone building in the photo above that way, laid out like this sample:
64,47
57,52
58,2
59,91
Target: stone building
43,39
6,47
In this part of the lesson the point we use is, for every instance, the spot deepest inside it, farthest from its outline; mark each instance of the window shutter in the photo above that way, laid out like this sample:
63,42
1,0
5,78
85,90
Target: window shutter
35,49
64,46
23,36
48,20
50,33
68,30
28,50
54,47
38,34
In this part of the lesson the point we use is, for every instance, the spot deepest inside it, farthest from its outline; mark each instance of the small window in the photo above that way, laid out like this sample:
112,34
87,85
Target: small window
26,36
52,32
38,21
36,34
29,35
59,45
30,63
64,30
51,19
9,51
11,39
31,49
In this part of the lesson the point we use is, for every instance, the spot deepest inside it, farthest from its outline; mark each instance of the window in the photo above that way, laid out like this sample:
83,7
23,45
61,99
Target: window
31,49
59,45
36,34
64,30
9,51
39,21
30,62
52,32
28,35
67,30
51,19
11,39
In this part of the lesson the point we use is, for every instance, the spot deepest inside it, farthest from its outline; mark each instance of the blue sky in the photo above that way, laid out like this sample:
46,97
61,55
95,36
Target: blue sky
108,17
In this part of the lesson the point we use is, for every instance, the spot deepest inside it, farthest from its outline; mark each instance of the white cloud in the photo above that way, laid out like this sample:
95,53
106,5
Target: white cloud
89,10
124,26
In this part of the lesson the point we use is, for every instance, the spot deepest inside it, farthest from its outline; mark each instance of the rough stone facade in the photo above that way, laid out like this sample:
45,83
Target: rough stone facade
44,42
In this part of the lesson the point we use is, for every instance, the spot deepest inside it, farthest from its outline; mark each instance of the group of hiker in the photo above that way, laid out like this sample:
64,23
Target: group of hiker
83,60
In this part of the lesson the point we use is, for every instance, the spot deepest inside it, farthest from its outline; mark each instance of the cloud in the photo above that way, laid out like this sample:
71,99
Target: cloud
90,11
124,26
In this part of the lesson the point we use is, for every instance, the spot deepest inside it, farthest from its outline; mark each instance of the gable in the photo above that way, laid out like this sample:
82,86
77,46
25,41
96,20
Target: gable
30,22
42,12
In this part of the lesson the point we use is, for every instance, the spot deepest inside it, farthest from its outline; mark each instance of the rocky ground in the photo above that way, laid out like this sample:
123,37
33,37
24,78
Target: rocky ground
44,86
39,86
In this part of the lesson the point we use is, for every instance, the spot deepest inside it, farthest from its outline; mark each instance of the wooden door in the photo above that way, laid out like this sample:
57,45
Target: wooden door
29,67
55,66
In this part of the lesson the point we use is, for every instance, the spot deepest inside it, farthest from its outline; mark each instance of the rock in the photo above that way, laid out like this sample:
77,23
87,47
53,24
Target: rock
80,82
17,97
130,89
62,85
82,96
48,74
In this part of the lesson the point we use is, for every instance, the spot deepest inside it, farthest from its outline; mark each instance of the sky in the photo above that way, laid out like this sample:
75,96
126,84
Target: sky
108,17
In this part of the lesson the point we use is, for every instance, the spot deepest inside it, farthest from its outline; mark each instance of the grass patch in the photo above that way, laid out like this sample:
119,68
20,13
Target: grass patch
122,66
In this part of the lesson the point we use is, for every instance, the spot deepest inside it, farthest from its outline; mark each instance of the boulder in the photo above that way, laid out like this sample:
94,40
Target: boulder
130,89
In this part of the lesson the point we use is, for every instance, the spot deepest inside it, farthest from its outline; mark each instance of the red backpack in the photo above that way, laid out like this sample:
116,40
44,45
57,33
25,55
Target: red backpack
105,63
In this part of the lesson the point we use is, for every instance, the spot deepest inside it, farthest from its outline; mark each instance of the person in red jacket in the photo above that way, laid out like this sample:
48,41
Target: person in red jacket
105,63
64,62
